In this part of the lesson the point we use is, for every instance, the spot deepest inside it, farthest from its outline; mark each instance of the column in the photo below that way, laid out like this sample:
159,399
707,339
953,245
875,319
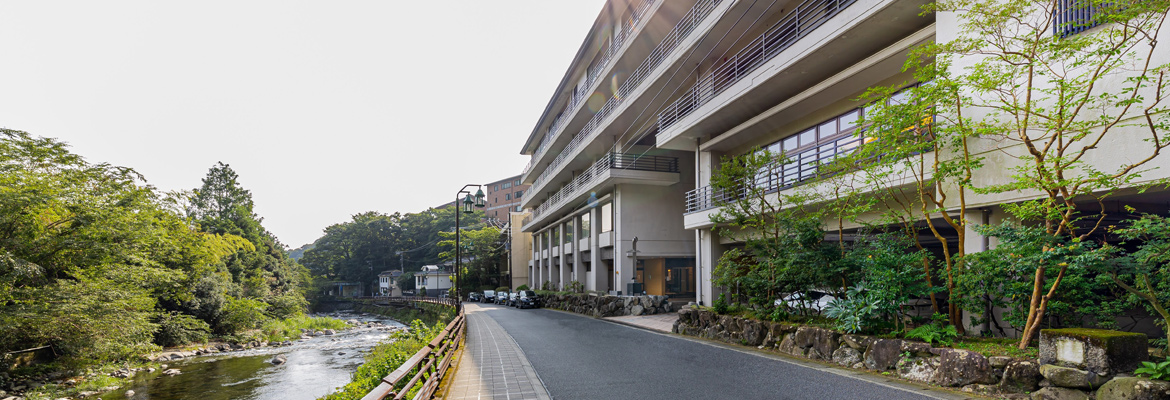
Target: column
594,276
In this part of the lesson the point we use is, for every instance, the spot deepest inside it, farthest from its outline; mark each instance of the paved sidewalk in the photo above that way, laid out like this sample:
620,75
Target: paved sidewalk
492,365
657,322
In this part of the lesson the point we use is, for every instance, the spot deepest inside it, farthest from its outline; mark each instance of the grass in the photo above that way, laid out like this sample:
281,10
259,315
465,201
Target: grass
290,328
98,382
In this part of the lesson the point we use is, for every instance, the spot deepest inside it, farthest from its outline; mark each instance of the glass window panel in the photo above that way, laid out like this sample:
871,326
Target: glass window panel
585,219
849,120
607,217
828,128
775,149
790,143
808,137
569,232
898,98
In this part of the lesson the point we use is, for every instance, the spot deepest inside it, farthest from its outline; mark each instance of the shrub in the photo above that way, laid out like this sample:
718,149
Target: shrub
502,289
721,304
1159,371
522,287
939,330
176,329
287,305
575,287
856,311
240,315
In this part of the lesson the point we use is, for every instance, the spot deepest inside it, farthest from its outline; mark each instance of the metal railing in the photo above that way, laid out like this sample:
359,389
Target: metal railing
429,364
578,96
681,30
775,176
807,16
597,170
1075,16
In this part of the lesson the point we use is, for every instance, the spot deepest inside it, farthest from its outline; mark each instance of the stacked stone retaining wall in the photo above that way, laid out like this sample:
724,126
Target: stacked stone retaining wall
608,306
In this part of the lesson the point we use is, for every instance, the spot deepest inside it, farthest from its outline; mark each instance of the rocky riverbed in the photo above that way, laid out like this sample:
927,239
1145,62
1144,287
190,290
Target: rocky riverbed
307,368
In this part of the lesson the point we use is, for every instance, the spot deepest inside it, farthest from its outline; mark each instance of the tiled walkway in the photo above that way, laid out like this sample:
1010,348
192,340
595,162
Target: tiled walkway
657,322
492,365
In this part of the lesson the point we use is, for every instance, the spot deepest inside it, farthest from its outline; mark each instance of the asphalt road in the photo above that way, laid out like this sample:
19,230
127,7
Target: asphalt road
579,357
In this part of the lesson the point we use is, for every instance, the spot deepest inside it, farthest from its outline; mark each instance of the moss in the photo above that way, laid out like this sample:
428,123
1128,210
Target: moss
1102,337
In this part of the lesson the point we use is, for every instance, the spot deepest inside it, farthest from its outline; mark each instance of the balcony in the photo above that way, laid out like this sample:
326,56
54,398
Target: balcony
661,52
804,19
776,176
577,97
615,167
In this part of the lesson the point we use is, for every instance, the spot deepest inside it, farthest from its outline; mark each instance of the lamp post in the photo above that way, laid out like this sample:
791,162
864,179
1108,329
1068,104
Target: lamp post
468,203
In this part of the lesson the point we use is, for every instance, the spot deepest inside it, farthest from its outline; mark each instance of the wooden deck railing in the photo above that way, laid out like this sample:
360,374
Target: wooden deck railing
429,364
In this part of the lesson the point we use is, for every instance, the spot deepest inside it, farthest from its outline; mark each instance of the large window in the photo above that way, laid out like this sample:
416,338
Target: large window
607,217
805,150
556,235
585,219
569,231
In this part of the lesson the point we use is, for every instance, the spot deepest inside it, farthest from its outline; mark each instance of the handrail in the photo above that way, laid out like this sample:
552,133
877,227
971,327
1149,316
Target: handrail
628,161
681,30
591,77
805,18
775,176
423,363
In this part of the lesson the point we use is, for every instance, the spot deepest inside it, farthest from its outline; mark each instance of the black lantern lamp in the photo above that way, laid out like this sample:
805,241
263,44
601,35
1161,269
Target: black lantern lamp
467,204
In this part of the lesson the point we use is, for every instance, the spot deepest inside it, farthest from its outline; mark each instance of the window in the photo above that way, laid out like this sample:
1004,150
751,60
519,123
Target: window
607,217
585,225
1075,16
507,185
507,196
497,188
517,182
556,235
519,193
569,232
517,208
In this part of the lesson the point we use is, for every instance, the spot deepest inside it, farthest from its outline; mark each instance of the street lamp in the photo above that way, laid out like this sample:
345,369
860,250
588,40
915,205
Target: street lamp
468,203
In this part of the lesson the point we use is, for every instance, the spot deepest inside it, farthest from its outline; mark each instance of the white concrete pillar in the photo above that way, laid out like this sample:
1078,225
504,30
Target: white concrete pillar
707,255
593,278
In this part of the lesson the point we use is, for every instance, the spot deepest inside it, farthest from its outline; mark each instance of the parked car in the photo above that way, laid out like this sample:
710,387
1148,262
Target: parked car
514,299
489,296
475,296
502,298
528,299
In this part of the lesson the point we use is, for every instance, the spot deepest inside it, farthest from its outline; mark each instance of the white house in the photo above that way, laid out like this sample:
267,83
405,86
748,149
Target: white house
435,280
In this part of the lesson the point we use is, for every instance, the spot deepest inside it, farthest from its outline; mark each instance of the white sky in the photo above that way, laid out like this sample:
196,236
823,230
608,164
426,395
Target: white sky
326,108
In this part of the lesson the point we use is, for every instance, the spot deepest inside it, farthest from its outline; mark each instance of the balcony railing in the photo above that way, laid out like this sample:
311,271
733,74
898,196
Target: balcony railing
597,172
804,19
639,11
671,41
776,176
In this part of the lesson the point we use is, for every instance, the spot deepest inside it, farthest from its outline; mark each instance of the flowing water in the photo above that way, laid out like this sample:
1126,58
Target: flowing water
315,367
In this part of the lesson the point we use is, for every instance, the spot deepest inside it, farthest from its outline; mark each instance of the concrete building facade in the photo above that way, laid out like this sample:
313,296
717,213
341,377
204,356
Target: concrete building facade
661,92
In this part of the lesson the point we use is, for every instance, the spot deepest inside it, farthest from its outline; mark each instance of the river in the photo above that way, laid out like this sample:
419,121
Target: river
315,367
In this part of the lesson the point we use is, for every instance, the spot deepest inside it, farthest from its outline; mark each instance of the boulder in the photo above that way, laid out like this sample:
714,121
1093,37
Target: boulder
1056,393
846,356
754,333
857,342
637,310
919,349
172,372
883,354
1020,377
1071,377
918,369
1100,351
824,341
999,361
1134,389
962,367
788,346
279,359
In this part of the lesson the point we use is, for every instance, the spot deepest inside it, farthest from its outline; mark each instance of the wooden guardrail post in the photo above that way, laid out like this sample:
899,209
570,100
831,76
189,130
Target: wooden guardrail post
429,364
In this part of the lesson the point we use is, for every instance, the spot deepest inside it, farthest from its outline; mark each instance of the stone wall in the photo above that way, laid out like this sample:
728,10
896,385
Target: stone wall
1003,377
606,305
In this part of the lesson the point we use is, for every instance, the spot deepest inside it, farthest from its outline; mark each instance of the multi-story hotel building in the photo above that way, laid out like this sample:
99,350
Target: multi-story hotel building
661,92
502,197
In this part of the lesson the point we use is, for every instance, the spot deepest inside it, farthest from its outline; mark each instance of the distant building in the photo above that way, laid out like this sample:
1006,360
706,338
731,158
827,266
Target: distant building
503,196
388,283
433,279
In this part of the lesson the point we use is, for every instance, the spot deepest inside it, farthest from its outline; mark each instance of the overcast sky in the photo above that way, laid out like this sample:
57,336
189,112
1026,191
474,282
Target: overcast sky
325,109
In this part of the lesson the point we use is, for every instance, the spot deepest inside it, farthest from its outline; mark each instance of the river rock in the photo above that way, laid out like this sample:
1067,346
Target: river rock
883,354
1020,377
279,359
172,372
846,356
329,332
129,393
1070,377
961,367
1134,389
